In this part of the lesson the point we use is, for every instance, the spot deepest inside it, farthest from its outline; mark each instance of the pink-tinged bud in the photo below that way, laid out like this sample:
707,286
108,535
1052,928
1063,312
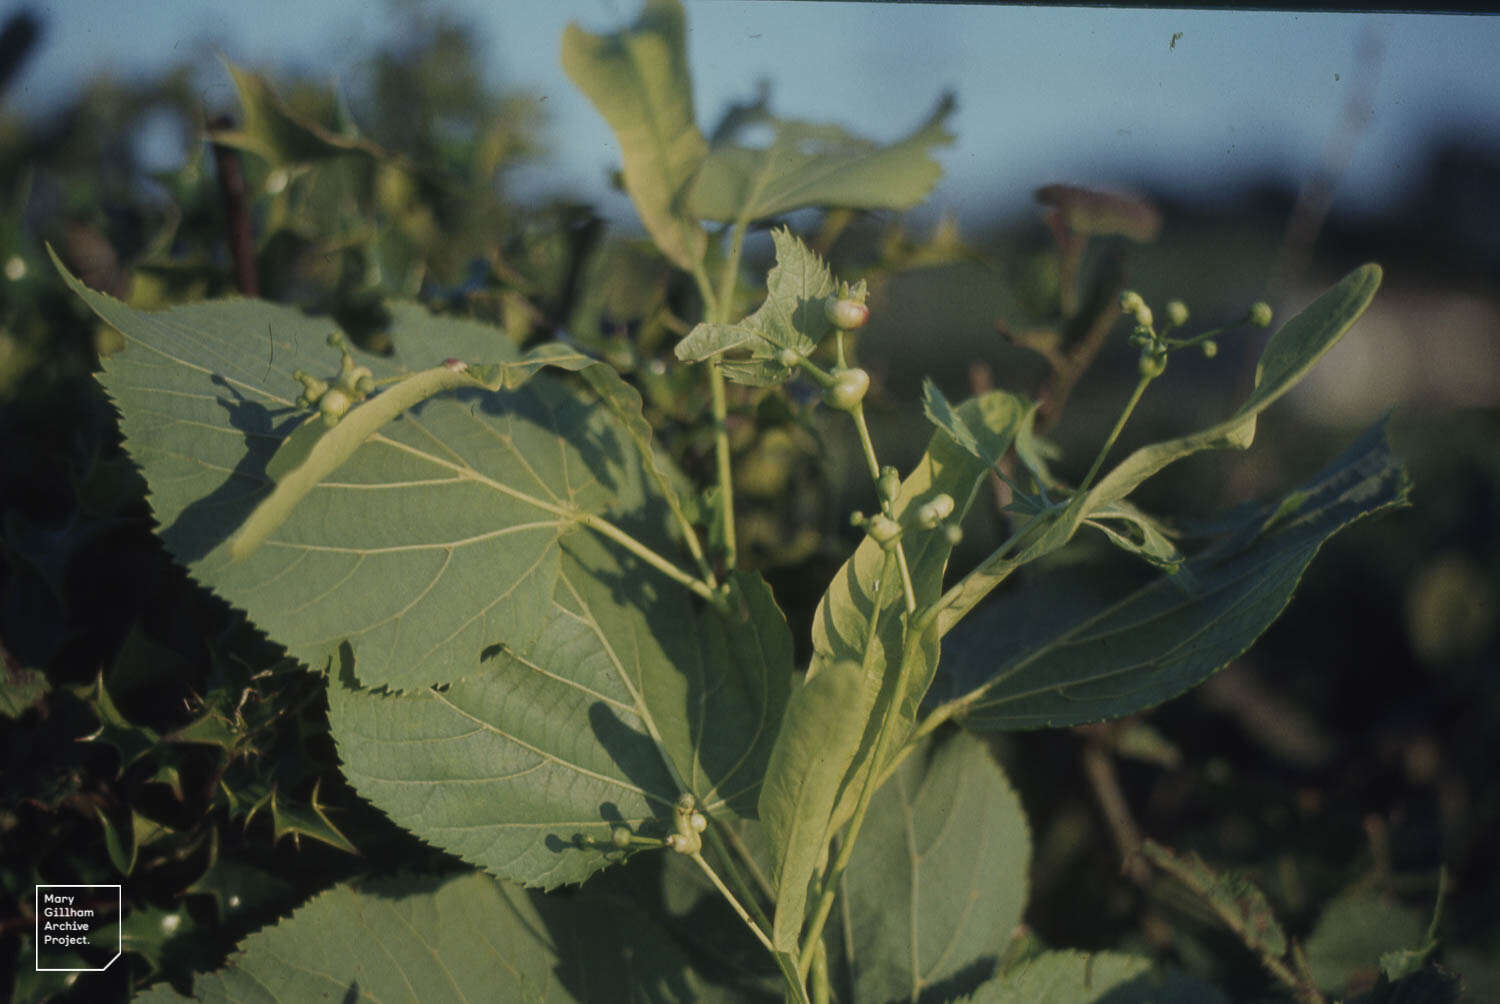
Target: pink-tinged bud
846,314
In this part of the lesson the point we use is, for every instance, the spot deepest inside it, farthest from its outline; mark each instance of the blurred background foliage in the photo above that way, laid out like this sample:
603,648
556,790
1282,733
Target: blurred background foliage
152,738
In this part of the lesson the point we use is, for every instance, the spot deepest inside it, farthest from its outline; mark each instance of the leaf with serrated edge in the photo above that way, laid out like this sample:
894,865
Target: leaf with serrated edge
942,414
817,165
937,882
1022,668
437,538
818,739
638,80
792,317
629,697
1070,977
468,938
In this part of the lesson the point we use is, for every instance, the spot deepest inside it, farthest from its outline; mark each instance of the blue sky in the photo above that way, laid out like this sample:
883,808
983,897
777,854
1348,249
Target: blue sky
1094,96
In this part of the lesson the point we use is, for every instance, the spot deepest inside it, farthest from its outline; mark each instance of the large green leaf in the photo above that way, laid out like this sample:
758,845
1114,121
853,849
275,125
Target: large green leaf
938,880
1072,977
1289,354
792,317
436,538
638,80
468,938
1032,659
817,742
818,165
629,698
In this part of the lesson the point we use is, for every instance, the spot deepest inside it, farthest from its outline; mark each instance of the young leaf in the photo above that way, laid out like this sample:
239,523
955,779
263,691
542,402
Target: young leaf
937,883
818,165
819,735
638,80
1130,529
629,698
942,414
273,131
437,536
792,317
466,938
1024,664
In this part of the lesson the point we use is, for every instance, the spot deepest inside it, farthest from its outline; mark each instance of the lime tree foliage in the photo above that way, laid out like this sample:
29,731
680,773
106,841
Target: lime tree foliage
505,544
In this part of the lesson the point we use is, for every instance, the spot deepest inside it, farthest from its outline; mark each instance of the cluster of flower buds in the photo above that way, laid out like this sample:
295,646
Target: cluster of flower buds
688,824
686,837
1154,344
933,514
353,384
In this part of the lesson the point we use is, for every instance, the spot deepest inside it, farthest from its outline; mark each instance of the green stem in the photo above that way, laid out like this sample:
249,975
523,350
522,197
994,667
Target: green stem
731,272
821,989
706,291
732,839
605,528
868,445
723,459
733,901
717,308
736,877
1135,397
963,595
695,549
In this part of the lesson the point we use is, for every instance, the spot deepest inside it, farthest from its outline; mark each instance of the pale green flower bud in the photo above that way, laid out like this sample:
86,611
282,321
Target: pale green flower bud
884,531
334,405
848,389
846,314
934,511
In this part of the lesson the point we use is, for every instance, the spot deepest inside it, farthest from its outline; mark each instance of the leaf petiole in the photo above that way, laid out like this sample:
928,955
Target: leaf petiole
717,310
1114,434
